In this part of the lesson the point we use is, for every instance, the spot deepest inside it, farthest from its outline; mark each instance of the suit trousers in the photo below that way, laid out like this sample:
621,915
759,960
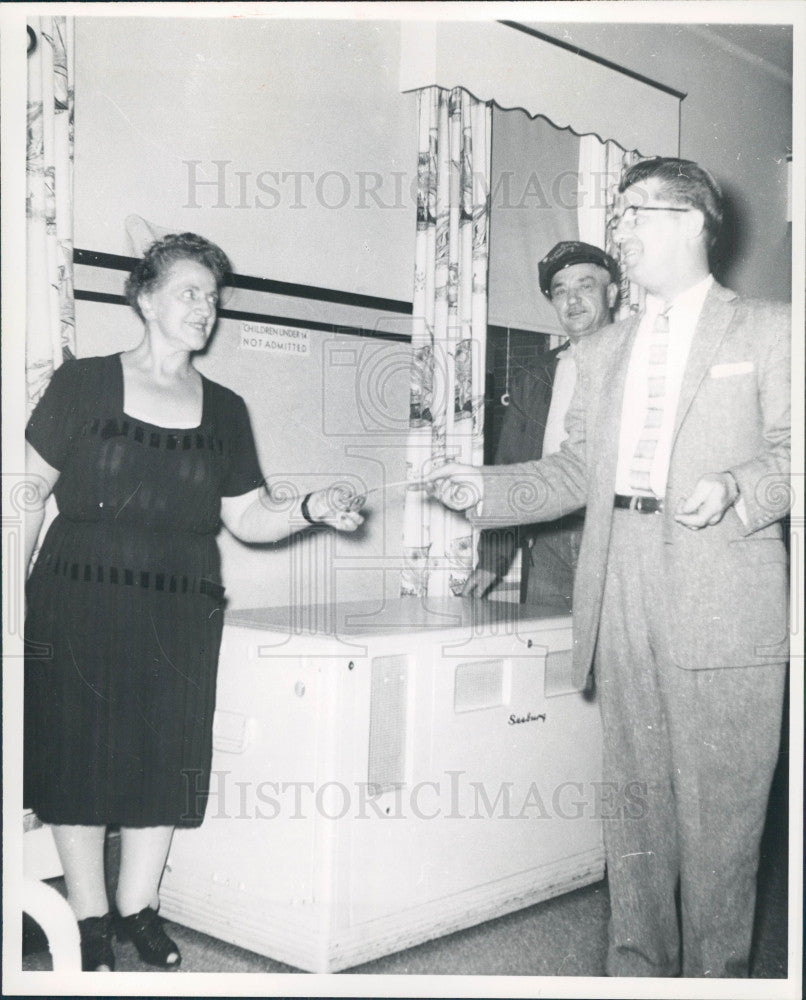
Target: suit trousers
697,750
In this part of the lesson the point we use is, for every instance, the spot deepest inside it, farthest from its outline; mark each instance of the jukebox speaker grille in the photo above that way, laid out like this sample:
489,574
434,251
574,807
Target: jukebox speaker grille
479,684
559,673
387,723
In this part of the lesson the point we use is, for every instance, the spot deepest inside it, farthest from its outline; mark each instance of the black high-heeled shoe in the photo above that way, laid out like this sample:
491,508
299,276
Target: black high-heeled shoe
96,944
152,943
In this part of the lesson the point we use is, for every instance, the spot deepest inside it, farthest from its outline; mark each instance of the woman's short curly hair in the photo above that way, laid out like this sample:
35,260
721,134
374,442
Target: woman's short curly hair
149,272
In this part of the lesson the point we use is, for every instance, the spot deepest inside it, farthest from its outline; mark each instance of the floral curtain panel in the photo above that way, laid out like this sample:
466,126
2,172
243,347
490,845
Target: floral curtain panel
50,327
601,165
631,297
594,190
449,331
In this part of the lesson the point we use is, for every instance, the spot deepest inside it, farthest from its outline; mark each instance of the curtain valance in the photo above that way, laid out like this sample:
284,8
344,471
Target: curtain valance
516,69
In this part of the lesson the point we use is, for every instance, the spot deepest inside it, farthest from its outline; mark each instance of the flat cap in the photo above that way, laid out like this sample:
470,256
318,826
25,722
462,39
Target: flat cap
570,252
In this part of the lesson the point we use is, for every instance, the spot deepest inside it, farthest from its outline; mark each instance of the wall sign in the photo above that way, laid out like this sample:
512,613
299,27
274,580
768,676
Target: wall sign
288,340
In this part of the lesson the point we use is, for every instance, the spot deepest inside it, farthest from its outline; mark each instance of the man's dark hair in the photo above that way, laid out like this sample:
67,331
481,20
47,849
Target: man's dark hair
681,182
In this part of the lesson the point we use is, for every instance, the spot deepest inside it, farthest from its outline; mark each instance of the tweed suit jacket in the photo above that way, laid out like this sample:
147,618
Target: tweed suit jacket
521,440
727,583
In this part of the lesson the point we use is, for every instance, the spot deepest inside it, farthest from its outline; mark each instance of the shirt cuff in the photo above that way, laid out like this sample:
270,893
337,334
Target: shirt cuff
476,511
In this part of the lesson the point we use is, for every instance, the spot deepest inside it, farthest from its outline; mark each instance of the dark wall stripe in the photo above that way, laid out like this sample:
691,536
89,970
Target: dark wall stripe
83,296
304,324
116,262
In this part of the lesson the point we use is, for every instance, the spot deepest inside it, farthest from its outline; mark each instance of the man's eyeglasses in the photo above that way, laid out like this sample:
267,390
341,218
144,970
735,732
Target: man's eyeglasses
630,215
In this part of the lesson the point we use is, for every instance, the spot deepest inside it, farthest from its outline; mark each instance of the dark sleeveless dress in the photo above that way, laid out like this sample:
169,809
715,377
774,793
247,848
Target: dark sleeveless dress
125,602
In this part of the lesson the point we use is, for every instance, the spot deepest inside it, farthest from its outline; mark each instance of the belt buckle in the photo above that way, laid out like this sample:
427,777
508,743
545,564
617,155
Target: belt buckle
635,502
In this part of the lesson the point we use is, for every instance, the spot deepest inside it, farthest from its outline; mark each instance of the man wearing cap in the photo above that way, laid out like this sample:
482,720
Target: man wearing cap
679,446
581,281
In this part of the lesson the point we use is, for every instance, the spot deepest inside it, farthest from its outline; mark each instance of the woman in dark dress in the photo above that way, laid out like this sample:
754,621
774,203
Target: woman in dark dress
146,457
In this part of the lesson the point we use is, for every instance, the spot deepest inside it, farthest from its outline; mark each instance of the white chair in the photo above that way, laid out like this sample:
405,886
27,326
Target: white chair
42,902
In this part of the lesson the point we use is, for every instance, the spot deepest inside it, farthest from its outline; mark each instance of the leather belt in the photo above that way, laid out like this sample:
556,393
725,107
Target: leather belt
643,505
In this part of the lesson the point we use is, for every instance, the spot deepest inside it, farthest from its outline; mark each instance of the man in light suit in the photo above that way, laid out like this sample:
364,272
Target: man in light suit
678,443
581,282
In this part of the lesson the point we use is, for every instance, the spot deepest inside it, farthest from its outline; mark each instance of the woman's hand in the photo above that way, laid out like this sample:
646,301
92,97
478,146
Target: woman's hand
456,486
337,507
263,516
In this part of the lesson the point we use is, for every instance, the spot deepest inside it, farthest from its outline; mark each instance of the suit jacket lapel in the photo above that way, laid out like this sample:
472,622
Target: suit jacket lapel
717,312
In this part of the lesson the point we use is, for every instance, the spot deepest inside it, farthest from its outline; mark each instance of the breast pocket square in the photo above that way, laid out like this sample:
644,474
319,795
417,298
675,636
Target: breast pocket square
732,368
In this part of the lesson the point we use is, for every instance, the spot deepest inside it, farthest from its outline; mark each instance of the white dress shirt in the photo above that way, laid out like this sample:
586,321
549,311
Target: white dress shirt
683,315
565,377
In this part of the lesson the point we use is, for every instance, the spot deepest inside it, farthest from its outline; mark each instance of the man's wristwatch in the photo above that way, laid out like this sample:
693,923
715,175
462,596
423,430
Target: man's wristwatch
305,512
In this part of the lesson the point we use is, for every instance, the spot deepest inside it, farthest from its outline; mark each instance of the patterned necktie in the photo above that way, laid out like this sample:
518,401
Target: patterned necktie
642,460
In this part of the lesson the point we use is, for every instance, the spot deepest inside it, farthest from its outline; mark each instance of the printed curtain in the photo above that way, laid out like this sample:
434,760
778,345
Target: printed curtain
449,331
50,326
594,185
601,165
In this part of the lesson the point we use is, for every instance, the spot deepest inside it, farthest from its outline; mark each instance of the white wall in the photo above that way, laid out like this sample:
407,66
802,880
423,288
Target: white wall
261,96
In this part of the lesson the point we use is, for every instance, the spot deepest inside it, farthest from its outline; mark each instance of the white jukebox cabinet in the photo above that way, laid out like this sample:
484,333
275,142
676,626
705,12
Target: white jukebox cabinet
387,773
